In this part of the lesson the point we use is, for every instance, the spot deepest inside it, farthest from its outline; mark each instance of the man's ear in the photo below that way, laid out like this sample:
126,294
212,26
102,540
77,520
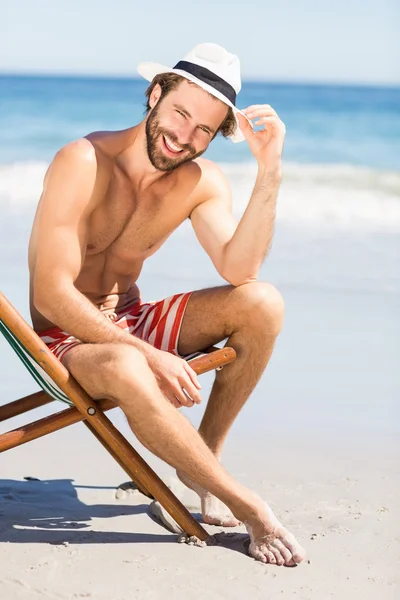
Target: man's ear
155,95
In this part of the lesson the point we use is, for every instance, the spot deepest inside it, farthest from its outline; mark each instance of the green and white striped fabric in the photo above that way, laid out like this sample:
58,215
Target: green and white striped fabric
39,375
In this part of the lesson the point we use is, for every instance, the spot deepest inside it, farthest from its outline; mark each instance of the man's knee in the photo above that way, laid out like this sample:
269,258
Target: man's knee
262,305
122,366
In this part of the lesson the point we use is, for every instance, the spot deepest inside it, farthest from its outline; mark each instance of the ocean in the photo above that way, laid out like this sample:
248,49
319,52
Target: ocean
335,255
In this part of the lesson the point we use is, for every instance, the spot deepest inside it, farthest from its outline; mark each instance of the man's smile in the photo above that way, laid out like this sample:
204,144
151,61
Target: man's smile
172,148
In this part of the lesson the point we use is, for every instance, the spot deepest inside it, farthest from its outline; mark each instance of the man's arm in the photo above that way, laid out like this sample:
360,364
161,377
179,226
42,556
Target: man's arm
238,250
60,238
59,241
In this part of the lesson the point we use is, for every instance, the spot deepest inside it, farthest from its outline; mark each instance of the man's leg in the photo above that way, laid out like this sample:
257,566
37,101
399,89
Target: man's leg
120,372
251,317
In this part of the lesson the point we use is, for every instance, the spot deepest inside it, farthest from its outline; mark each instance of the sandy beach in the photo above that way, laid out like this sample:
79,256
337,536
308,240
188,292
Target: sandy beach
68,536
325,456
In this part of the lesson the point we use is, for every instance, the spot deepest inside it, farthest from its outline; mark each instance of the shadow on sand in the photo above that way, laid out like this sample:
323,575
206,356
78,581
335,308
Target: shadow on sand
50,512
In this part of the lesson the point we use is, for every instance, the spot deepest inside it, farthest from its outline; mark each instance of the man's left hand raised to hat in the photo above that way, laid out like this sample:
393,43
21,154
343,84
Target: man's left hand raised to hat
266,144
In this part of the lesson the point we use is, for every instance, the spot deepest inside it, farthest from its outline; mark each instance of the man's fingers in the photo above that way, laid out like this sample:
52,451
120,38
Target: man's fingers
190,389
262,112
183,396
192,374
189,398
276,122
254,107
262,120
174,401
243,122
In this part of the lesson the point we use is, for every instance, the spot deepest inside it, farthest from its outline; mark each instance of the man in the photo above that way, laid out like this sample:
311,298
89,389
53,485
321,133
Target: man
109,201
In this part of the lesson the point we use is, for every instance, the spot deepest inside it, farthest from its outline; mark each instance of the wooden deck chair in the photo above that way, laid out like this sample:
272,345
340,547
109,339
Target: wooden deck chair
58,384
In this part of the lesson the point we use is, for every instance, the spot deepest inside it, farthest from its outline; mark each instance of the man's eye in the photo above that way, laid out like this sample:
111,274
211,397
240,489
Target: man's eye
179,112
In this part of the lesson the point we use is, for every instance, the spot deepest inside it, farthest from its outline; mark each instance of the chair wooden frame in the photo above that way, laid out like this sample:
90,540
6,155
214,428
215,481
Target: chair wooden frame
91,412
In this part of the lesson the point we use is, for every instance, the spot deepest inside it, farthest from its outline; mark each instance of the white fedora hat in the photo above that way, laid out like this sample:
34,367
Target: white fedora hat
212,68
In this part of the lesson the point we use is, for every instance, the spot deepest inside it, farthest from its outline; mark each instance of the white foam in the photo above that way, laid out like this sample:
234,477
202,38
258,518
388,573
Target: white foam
21,184
315,195
328,195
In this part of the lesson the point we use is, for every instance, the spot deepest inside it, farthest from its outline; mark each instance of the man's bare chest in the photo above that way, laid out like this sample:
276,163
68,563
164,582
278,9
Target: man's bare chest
129,227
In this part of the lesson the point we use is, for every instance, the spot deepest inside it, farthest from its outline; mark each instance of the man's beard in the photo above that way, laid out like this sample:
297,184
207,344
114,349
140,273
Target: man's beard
154,137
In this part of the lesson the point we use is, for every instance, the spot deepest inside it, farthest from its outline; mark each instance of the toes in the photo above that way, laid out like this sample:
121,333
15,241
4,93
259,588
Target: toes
257,554
298,553
285,552
299,556
289,542
279,559
262,553
269,556
280,547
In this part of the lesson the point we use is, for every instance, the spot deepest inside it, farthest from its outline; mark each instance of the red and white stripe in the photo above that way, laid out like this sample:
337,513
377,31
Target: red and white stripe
158,323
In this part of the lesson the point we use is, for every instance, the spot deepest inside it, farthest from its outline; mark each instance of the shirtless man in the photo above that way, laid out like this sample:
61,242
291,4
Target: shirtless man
109,201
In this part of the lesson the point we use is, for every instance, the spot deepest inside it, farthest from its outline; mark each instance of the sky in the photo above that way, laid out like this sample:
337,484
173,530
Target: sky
342,41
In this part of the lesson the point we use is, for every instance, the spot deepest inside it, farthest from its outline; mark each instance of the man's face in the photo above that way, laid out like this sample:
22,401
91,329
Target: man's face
181,125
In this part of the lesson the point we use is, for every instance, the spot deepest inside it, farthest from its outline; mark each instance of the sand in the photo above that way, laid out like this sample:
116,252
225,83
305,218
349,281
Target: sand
319,440
66,534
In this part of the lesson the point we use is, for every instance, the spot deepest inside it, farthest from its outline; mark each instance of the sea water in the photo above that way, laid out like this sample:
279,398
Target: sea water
335,255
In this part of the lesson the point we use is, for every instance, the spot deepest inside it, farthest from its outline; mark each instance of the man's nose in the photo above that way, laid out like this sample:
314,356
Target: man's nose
185,135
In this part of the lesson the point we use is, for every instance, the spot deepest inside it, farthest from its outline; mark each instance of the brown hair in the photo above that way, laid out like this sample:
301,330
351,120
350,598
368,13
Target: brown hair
169,82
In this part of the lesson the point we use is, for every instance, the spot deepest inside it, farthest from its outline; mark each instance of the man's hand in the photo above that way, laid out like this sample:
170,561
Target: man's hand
267,143
175,377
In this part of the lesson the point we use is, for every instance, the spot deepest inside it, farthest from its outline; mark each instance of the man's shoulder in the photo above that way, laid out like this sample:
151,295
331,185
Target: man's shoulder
78,159
77,172
212,180
209,169
208,183
81,152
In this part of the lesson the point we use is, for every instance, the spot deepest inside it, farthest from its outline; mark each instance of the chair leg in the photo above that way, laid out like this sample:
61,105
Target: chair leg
18,407
140,471
123,466
41,427
127,457
91,411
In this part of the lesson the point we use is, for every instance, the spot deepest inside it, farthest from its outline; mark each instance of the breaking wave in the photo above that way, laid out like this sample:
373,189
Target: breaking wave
310,195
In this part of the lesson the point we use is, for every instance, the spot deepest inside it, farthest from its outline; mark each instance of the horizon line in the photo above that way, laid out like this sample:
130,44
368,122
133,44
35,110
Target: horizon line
134,77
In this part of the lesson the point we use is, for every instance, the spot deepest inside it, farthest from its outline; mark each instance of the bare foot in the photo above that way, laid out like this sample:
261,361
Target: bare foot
213,511
270,542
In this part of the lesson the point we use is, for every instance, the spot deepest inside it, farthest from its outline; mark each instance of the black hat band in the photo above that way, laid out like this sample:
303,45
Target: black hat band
209,78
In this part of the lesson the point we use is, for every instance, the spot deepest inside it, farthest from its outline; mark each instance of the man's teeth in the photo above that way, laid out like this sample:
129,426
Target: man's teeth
170,144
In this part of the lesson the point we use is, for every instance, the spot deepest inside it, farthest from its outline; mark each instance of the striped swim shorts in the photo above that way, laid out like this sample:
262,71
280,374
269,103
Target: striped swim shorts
158,323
